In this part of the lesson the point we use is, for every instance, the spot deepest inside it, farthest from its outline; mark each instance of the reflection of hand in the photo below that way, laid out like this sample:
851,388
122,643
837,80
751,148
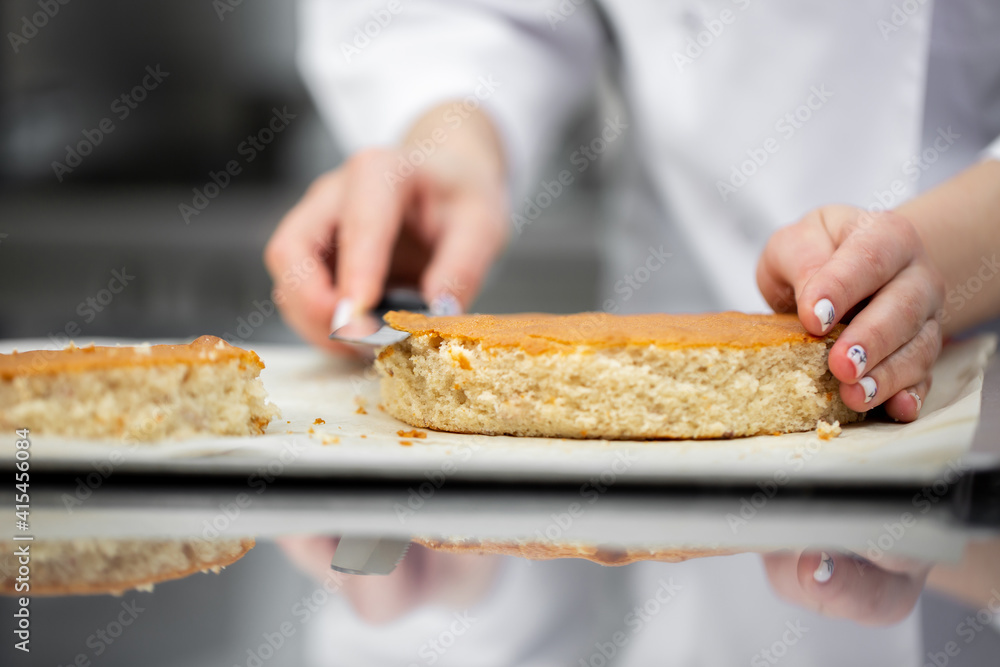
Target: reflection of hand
424,577
826,265
844,586
437,222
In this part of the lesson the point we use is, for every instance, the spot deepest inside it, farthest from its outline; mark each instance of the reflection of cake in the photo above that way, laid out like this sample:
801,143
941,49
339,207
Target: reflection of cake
89,566
135,393
547,551
594,375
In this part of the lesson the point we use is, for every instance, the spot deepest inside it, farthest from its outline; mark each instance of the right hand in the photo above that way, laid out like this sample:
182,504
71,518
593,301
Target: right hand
359,228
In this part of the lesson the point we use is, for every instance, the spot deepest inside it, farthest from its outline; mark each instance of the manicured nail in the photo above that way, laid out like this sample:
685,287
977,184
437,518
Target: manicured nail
825,568
445,304
343,314
824,313
916,399
870,387
859,358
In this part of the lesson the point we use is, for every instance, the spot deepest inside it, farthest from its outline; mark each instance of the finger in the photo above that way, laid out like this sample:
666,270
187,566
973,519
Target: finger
893,317
298,258
841,586
472,236
792,255
904,368
905,405
864,261
374,205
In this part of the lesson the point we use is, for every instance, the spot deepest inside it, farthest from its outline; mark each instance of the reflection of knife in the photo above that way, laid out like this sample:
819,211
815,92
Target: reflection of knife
368,555
369,328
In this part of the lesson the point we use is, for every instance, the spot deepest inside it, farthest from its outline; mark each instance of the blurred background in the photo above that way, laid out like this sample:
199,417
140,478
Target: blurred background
199,78
221,80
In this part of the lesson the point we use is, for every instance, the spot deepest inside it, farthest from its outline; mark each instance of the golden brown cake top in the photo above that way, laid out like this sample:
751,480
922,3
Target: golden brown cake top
203,350
538,332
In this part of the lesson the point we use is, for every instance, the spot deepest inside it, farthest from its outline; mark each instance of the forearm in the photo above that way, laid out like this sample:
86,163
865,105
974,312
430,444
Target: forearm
959,222
976,580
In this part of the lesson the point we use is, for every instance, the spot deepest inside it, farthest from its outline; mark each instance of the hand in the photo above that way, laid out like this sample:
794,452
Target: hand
382,218
424,577
841,263
845,586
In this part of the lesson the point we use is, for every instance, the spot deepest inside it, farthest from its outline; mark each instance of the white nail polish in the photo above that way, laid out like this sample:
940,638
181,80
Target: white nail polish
824,571
916,397
859,358
445,304
870,387
343,314
825,314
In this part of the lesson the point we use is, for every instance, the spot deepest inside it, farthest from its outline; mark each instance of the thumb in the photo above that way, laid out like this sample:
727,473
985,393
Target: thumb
790,258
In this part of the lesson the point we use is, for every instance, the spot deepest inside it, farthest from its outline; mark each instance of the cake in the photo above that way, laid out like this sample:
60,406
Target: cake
595,375
92,566
603,555
140,393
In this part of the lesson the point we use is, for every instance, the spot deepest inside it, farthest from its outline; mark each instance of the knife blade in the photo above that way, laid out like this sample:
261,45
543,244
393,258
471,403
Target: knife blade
369,328
368,555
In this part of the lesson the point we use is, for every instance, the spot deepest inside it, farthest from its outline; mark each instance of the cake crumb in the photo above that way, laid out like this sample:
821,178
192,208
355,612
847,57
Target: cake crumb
828,431
361,410
330,440
406,443
311,430
319,421
411,434
363,435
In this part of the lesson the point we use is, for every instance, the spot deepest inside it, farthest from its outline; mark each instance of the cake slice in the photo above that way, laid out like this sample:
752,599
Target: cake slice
93,566
140,394
595,375
601,554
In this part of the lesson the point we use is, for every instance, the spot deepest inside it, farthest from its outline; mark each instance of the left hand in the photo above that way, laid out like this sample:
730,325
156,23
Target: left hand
841,261
843,586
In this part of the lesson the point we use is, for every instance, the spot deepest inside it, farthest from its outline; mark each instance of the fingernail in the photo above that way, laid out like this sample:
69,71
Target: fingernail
824,313
859,358
870,387
342,314
916,399
824,570
445,304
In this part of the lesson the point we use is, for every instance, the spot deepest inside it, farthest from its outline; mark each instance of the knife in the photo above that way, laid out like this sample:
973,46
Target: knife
368,555
370,329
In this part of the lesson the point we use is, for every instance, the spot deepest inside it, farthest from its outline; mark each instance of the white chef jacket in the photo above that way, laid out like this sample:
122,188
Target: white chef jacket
743,115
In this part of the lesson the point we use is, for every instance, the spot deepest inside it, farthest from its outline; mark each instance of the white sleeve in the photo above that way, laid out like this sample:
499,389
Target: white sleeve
375,67
992,151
